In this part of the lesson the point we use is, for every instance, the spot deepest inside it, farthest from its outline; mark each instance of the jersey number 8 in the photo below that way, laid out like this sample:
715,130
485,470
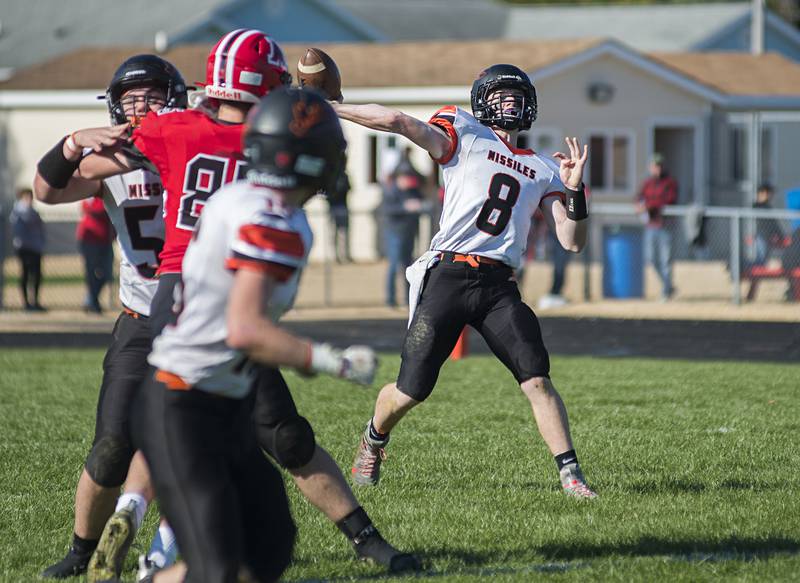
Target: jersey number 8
204,176
496,211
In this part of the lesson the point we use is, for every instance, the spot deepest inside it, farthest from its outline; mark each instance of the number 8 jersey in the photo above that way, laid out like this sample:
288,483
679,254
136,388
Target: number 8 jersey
491,190
195,155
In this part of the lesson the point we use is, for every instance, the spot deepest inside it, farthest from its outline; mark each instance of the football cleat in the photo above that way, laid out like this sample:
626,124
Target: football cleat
574,483
371,546
72,565
113,547
366,470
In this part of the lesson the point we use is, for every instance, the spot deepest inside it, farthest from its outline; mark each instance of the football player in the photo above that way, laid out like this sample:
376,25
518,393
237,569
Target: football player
133,201
196,154
492,188
240,274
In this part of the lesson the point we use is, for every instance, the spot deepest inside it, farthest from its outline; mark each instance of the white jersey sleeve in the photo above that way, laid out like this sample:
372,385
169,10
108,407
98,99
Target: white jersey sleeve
133,202
491,190
243,227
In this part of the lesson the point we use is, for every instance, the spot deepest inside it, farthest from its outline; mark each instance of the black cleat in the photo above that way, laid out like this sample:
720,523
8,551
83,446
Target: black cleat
72,565
371,546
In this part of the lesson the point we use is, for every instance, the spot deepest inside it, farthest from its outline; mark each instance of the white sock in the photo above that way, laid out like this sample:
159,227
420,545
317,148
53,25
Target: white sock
139,507
163,551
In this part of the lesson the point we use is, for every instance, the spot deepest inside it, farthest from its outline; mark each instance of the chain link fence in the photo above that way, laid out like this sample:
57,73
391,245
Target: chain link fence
713,253
63,270
710,254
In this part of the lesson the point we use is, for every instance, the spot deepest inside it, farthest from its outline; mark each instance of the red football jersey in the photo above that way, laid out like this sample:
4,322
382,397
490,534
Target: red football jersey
195,155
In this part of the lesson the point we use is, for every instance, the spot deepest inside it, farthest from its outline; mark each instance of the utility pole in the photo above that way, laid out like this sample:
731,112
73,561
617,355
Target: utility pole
757,27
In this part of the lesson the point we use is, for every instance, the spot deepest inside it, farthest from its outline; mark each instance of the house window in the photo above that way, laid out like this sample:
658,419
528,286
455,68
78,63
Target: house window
610,164
739,153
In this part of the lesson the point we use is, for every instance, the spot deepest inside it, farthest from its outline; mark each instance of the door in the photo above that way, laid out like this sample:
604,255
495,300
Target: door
676,144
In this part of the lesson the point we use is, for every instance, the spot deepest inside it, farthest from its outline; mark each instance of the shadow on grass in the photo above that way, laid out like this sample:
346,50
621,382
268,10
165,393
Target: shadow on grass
733,548
564,558
678,486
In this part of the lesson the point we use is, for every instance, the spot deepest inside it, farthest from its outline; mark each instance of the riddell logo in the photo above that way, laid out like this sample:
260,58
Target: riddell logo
220,93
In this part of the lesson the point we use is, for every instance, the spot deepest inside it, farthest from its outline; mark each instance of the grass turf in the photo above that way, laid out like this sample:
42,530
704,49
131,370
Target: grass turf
695,464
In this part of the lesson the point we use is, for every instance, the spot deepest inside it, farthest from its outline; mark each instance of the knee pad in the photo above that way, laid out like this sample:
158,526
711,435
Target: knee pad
290,442
108,461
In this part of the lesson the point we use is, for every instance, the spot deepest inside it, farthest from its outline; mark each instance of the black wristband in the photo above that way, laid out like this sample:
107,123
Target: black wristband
576,204
55,169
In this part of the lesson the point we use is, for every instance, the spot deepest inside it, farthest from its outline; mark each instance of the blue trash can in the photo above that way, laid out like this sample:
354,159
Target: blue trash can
793,203
623,265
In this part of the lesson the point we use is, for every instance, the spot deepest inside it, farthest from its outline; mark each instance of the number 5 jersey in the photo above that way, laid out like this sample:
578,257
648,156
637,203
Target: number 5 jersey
491,190
195,155
133,203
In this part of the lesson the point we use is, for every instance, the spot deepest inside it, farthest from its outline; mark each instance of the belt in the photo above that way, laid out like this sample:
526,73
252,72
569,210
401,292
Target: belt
470,259
134,315
172,381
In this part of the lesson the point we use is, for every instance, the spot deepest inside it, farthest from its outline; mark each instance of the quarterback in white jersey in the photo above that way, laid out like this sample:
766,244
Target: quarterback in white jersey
491,190
133,202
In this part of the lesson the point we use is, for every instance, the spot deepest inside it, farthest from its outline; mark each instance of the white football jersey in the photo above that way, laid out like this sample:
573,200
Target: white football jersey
491,190
133,203
242,227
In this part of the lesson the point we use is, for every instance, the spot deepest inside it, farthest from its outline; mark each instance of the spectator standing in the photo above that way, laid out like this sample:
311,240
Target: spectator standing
658,191
769,234
340,218
27,232
94,236
402,204
559,257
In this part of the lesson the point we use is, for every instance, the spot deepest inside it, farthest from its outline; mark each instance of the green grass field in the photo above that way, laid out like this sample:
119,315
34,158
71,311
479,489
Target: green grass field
696,466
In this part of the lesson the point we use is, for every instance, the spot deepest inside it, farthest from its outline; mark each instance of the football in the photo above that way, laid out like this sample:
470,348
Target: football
318,70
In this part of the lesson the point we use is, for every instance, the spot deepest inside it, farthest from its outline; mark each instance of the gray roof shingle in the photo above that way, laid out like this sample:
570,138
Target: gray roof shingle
656,27
430,64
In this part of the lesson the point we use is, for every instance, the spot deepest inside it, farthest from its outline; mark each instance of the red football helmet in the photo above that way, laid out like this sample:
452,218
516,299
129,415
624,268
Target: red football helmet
245,65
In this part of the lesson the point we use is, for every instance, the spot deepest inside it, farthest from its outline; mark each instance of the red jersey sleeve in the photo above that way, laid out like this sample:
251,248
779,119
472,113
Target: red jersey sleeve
445,118
149,139
269,246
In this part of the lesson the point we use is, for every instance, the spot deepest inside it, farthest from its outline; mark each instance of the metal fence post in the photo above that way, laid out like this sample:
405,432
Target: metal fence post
736,257
327,272
587,269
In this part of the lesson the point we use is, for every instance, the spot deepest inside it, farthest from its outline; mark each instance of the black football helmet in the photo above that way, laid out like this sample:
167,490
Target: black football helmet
145,71
487,108
293,139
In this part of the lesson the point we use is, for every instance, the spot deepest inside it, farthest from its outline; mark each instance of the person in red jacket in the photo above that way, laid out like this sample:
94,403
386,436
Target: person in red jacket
94,236
658,191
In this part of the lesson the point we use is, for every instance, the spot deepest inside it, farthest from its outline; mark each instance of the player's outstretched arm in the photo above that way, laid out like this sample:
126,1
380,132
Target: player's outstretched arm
570,221
263,341
106,159
426,136
57,180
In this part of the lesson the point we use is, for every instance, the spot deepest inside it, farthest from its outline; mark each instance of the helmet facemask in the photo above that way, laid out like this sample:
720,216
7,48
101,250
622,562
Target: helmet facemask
135,105
506,107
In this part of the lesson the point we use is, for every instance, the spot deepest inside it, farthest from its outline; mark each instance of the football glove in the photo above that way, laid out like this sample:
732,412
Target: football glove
355,363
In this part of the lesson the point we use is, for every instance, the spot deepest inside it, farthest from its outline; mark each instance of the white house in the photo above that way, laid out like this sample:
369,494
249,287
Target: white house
698,109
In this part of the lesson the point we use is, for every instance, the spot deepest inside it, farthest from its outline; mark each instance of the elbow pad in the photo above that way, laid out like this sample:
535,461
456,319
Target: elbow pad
55,169
576,204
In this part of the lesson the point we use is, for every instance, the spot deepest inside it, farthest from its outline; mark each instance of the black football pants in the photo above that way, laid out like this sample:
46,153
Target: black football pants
124,368
224,500
486,297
